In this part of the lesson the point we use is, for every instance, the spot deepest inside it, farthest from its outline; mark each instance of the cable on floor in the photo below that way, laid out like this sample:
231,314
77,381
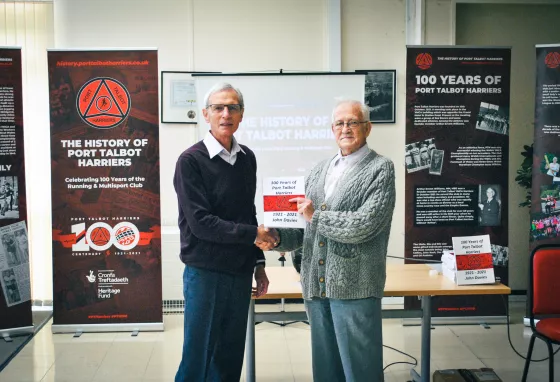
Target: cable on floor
398,362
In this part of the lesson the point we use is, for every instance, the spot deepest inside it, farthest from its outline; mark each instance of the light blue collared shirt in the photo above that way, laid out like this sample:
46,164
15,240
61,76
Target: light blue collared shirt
339,166
215,148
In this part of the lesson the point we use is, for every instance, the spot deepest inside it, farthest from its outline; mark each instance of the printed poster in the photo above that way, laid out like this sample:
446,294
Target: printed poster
105,187
456,159
15,291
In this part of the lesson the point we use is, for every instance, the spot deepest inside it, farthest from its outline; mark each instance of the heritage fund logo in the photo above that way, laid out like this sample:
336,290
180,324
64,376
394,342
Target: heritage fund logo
424,60
103,103
108,283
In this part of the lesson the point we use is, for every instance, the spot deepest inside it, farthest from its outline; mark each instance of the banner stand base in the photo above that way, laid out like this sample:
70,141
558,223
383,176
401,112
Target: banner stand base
100,328
17,331
476,320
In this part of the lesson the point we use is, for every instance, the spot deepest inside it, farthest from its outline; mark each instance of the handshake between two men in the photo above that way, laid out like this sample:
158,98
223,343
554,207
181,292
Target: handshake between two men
268,238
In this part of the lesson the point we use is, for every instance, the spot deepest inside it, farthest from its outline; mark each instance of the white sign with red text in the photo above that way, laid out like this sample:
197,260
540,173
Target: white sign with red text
279,212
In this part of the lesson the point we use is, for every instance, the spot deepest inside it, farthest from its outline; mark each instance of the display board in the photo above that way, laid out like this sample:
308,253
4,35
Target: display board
456,158
15,291
545,207
105,190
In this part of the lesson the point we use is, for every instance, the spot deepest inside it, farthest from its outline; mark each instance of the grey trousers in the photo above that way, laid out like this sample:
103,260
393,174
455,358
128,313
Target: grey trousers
346,339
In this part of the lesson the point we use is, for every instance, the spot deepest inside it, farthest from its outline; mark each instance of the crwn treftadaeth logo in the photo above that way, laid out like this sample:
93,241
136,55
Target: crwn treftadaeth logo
103,102
91,277
424,60
552,60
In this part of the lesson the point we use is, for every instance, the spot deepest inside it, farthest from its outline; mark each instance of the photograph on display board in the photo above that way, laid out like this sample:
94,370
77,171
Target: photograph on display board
379,95
489,205
549,199
11,250
14,263
493,118
417,155
545,222
551,167
545,226
500,255
10,287
9,197
436,162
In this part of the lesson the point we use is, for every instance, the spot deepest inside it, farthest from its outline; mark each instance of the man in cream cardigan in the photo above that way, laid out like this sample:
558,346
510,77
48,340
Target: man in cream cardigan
348,208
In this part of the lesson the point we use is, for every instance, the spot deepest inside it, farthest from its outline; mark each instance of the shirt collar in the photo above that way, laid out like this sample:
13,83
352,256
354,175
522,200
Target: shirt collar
214,147
355,156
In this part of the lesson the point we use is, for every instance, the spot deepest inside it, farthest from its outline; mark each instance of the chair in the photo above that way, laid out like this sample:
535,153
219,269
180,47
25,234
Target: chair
544,303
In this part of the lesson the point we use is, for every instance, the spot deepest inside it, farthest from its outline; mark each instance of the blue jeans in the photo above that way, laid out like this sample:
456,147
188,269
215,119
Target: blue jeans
346,339
216,312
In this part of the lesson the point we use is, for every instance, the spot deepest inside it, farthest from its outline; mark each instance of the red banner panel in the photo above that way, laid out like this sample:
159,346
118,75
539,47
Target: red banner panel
105,187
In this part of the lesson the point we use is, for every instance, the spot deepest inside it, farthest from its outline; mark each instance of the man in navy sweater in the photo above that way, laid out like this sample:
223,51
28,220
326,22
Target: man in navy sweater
216,181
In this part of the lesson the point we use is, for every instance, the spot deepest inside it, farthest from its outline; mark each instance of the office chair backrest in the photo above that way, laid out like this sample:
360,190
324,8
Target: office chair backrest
546,281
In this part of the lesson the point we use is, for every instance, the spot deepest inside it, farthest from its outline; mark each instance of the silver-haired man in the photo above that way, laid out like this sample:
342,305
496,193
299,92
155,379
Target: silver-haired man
348,207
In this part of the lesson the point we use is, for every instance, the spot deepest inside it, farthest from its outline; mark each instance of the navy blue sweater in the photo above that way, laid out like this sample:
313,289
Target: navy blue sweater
217,215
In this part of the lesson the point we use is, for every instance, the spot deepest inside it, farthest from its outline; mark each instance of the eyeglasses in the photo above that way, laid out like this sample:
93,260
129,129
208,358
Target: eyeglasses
219,108
339,125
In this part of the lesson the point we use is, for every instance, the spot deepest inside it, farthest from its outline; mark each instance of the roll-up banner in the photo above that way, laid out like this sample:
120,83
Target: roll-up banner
105,190
15,291
456,159
545,194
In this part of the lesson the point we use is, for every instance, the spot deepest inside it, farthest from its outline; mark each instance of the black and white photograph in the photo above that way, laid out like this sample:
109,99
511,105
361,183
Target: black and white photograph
10,286
493,118
490,205
500,255
11,250
380,95
436,162
8,197
417,155
22,244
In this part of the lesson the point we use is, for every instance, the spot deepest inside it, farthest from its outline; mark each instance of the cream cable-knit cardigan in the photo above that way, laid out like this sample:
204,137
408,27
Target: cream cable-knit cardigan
345,245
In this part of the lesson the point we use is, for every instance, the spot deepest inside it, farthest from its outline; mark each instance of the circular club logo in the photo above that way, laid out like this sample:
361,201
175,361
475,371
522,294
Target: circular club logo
424,60
125,235
552,60
103,102
100,236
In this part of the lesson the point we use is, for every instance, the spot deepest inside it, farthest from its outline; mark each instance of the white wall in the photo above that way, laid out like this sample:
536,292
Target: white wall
373,37
519,26
439,22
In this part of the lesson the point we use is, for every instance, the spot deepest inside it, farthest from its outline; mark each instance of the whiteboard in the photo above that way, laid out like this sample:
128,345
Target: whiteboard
287,119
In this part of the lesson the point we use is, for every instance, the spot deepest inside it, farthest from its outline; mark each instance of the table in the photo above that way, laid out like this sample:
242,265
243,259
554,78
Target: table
402,280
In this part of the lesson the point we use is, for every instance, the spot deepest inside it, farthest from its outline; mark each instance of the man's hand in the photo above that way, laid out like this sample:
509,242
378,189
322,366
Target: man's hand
262,282
305,207
267,238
